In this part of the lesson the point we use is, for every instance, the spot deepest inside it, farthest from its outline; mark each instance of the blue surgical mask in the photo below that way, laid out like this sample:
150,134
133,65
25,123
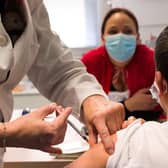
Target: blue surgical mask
120,47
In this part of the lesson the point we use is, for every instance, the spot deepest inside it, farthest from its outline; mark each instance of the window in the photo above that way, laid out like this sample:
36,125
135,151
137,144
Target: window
76,21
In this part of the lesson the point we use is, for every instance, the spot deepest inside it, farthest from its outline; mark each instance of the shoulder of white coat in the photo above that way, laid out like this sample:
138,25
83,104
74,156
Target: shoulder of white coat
33,4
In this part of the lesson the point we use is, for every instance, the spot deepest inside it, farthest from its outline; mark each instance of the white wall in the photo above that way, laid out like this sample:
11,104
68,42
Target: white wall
151,14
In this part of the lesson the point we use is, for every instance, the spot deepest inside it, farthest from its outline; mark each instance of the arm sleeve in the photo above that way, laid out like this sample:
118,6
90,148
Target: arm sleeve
56,73
121,156
141,145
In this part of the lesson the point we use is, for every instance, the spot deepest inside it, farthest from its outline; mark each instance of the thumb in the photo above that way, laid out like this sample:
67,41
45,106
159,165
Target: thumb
105,136
52,149
63,115
46,110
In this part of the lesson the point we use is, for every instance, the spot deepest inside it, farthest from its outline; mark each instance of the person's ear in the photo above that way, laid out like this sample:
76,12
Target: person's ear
161,83
165,87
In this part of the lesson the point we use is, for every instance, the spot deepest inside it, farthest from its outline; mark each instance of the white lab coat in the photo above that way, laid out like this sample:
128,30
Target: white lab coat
141,146
48,63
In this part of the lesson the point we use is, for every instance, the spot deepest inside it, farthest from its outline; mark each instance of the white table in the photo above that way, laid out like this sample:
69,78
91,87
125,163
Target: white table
27,158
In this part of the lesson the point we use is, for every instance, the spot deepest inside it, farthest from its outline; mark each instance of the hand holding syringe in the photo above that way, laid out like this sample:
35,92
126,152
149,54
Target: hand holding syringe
79,128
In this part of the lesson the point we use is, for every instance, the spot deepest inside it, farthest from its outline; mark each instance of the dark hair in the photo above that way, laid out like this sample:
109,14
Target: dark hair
119,10
161,53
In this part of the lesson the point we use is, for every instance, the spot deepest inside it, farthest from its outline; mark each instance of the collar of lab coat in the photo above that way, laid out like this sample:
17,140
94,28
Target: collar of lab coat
24,51
6,60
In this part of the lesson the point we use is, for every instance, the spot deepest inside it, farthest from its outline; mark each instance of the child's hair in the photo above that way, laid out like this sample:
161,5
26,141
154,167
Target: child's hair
161,53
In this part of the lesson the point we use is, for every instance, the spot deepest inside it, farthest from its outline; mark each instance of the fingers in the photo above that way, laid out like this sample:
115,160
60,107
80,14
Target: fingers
92,136
63,115
119,108
107,123
51,149
48,109
130,120
105,136
115,119
125,124
142,120
45,110
59,109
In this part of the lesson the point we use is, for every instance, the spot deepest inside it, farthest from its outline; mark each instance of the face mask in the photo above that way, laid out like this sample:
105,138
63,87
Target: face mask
120,47
155,92
6,56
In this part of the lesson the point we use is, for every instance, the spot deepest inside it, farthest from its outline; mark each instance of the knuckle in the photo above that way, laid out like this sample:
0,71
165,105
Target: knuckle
104,133
97,117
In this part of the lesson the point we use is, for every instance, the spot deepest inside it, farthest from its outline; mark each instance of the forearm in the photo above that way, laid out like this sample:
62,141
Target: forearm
95,157
8,132
5,134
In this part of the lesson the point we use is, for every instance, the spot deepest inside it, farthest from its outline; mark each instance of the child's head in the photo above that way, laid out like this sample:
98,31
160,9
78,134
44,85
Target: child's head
161,53
161,57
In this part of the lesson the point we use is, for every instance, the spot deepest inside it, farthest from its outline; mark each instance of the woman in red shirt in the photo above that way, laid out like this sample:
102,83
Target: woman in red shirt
123,66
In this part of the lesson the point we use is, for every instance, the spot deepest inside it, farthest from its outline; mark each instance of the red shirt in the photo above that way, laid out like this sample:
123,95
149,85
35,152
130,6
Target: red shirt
139,73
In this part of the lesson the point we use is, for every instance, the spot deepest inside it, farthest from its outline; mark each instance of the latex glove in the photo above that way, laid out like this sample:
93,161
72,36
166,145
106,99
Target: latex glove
103,118
32,131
